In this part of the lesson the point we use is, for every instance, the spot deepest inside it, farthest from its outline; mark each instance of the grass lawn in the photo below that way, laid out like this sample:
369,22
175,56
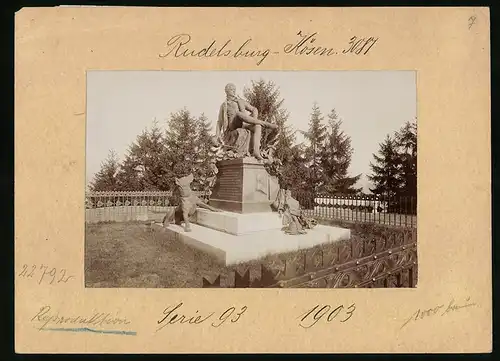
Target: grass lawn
135,255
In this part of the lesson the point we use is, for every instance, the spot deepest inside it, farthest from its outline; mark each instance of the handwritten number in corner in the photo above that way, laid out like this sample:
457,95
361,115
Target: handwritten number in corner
63,274
360,46
24,270
472,21
44,275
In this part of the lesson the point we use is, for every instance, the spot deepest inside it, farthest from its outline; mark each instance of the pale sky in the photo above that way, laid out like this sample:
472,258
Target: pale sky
121,104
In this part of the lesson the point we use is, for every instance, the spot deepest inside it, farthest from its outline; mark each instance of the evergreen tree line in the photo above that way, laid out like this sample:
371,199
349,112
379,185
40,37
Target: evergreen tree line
320,165
394,168
157,156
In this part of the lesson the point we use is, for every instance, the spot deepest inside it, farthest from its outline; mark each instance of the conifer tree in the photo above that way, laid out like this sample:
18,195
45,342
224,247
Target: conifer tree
406,140
386,170
153,153
105,179
143,168
316,136
180,146
265,96
129,176
204,157
294,174
336,159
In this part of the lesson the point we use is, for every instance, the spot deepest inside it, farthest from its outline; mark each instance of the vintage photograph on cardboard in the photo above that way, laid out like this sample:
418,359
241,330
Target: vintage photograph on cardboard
251,179
182,186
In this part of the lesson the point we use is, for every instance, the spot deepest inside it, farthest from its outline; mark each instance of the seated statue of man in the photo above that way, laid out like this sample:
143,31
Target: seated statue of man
239,131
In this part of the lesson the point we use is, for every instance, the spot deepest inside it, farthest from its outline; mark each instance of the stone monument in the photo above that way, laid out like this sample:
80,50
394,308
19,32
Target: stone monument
249,216
243,184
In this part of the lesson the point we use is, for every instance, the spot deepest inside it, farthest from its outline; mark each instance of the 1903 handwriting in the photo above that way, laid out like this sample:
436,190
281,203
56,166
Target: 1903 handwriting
340,313
171,315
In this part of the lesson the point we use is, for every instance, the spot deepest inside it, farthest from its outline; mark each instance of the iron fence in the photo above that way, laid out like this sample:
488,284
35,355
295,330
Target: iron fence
377,261
152,205
394,211
117,206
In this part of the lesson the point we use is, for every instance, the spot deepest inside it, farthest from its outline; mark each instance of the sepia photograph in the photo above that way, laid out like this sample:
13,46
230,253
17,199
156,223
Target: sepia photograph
218,183
251,179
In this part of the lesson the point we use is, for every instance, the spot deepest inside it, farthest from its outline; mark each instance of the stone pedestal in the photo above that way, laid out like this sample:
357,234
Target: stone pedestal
238,223
243,186
229,249
246,228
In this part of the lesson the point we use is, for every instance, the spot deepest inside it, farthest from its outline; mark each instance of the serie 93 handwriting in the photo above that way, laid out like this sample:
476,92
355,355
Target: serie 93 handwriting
173,315
45,274
326,313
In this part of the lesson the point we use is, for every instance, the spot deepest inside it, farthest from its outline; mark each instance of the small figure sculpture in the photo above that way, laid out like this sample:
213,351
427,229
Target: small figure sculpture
241,133
294,220
188,204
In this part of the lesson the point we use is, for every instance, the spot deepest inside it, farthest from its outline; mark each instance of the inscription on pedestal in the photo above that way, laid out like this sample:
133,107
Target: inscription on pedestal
241,186
229,184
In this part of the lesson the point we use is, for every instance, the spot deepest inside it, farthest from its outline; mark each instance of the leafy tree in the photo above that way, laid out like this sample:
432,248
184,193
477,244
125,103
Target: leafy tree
386,171
105,179
316,135
336,159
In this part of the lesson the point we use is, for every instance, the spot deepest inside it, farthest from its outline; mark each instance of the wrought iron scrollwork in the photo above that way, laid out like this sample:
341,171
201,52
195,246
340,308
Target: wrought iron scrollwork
381,261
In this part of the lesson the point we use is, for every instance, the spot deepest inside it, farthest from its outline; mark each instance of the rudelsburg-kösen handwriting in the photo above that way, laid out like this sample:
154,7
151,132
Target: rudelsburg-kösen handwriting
326,313
439,310
302,44
173,315
307,44
178,46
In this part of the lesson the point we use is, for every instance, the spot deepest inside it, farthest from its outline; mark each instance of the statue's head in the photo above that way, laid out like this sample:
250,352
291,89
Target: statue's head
184,184
230,89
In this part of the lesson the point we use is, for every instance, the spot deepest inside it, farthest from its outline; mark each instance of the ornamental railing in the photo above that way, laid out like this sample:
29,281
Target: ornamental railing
381,261
116,206
394,210
145,205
